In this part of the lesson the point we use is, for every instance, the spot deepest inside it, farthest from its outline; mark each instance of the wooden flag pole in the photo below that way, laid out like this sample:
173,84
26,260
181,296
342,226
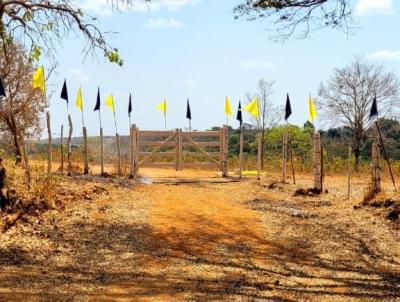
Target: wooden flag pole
284,153
101,146
62,149
131,167
119,171
85,146
349,173
385,155
49,145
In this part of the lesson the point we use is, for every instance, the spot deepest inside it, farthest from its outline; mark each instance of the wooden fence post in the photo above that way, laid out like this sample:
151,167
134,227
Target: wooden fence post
49,146
132,156
119,171
180,146
241,139
376,169
69,145
136,150
284,155
349,173
85,152
225,151
259,154
101,151
317,162
62,149
177,149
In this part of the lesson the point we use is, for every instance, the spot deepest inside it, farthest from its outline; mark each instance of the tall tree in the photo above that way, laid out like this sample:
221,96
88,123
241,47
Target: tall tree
298,17
20,110
346,98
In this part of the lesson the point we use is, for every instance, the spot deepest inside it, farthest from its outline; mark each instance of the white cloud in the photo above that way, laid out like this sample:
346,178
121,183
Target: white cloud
79,75
385,55
102,8
374,7
161,22
257,64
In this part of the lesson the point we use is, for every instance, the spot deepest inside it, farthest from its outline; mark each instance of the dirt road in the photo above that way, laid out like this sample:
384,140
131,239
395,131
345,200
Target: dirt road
202,241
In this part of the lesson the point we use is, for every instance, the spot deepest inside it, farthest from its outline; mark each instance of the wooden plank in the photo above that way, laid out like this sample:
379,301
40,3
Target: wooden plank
146,133
199,147
202,134
158,154
155,150
156,144
200,144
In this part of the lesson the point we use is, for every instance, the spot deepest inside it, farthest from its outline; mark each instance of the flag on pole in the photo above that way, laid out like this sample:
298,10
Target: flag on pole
130,105
162,106
288,108
253,108
188,111
2,91
239,115
64,91
374,109
110,102
228,108
79,100
98,102
311,109
38,81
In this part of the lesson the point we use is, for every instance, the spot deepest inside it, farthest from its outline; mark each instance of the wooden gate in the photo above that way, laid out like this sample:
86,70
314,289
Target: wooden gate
178,149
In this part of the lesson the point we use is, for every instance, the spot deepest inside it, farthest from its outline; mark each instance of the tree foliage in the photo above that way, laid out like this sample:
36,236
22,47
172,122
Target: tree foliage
298,17
20,110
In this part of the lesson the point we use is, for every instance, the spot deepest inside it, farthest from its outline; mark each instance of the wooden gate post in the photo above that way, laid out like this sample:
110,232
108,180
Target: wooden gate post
101,152
85,152
317,162
49,146
376,169
284,155
62,149
224,148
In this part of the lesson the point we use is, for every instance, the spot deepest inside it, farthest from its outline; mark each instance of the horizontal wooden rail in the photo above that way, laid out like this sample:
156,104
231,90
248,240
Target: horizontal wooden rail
156,144
145,133
202,134
158,154
201,144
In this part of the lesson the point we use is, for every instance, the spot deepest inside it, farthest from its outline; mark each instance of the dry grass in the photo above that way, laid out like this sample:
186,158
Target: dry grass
203,241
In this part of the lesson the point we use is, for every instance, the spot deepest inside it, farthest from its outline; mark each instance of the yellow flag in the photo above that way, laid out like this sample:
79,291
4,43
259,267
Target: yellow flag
162,106
110,102
228,108
79,101
38,80
253,108
312,110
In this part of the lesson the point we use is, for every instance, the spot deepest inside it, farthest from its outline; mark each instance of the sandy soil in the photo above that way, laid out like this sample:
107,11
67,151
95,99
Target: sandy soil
207,239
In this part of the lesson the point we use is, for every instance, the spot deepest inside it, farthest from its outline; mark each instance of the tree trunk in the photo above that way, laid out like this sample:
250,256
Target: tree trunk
17,146
3,186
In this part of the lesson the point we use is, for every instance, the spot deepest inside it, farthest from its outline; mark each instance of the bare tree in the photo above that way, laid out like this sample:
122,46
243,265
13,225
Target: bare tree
270,115
346,98
287,17
20,110
39,24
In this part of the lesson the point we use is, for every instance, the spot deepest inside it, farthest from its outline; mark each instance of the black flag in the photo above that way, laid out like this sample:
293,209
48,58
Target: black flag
130,105
64,91
188,111
2,92
374,109
288,108
97,107
239,115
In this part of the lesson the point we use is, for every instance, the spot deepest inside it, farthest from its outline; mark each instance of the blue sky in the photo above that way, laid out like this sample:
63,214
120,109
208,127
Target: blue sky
195,49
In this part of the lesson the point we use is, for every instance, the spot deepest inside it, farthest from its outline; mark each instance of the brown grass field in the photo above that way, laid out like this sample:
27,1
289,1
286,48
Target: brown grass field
193,236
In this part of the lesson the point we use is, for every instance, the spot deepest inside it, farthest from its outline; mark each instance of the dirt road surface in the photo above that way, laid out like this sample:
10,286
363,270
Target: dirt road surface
203,239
